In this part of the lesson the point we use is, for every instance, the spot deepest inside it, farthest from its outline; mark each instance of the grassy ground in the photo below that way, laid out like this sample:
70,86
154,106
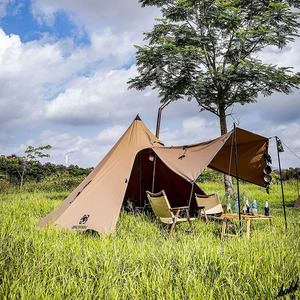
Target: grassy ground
140,261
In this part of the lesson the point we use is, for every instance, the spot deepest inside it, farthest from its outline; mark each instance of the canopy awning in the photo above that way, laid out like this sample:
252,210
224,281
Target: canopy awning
189,161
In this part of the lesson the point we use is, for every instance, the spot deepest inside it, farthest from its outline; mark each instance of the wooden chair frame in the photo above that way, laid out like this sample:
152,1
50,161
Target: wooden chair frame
171,213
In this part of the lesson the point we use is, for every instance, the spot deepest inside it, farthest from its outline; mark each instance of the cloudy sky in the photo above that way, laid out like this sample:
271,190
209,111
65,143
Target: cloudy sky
64,65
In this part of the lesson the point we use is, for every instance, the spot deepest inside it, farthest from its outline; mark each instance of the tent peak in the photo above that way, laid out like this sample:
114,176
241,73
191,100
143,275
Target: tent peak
137,118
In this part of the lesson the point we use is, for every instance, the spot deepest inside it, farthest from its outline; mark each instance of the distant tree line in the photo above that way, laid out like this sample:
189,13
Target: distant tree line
287,174
21,169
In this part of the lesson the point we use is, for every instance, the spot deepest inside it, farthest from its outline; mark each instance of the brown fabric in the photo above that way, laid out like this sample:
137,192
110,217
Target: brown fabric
250,154
100,201
190,161
177,188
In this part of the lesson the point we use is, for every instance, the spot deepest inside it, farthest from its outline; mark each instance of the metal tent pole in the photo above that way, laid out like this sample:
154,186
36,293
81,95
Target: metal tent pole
157,135
297,184
237,174
280,149
140,179
191,195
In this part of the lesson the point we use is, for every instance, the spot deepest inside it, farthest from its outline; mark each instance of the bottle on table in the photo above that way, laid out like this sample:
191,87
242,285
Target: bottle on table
236,206
229,208
254,207
248,207
266,208
244,207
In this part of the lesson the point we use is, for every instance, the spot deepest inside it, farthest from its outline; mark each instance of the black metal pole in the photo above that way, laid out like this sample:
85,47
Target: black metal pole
297,184
140,180
191,195
237,173
277,144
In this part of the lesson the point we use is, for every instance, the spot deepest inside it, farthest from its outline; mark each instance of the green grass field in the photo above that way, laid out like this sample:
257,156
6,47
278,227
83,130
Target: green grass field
140,261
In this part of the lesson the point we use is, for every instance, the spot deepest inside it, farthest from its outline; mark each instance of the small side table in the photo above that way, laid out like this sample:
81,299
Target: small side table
247,218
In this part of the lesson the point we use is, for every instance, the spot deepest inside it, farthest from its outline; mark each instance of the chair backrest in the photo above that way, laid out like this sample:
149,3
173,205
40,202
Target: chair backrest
211,202
160,205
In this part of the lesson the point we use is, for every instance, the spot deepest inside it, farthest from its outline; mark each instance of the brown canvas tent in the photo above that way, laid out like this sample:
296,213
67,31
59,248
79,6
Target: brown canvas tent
126,173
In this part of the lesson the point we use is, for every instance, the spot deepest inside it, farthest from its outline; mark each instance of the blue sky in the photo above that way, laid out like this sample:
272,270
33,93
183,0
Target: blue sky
64,68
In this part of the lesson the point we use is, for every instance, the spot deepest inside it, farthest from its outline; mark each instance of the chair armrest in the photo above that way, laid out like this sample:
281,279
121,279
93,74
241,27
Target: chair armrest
177,208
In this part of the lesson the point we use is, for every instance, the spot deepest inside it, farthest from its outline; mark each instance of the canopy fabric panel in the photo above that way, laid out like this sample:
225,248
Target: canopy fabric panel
251,149
219,154
189,161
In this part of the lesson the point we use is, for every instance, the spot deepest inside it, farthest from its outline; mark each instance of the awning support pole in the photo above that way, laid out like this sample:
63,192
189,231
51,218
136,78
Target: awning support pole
237,175
297,184
140,180
191,195
153,173
282,192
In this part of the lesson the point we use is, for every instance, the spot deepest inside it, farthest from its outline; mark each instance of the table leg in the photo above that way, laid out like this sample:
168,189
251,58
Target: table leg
248,228
224,227
271,223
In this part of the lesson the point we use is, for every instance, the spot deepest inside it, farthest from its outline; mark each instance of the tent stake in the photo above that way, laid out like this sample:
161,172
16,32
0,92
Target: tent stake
280,149
237,175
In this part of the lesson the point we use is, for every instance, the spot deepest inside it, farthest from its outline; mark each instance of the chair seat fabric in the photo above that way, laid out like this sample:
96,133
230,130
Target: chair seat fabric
211,203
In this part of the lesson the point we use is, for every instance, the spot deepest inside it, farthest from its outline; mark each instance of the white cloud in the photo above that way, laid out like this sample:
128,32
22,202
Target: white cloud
35,71
85,152
103,97
3,4
94,16
111,134
192,130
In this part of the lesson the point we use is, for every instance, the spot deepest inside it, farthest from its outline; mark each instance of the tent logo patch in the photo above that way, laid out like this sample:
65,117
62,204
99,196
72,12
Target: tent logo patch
84,219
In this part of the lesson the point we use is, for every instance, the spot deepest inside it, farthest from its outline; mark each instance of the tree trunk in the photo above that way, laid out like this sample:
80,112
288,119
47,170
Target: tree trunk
223,126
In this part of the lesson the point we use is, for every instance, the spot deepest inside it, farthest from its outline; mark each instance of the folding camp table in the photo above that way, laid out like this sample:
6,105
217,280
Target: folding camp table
248,218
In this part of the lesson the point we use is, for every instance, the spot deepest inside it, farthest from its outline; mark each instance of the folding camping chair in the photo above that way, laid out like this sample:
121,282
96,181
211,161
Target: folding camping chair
213,210
209,204
167,214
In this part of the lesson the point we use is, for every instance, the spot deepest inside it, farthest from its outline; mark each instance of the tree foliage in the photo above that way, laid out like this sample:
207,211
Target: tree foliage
207,50
21,169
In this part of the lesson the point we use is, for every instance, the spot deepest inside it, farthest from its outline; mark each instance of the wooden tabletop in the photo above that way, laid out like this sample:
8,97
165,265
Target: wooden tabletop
246,217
